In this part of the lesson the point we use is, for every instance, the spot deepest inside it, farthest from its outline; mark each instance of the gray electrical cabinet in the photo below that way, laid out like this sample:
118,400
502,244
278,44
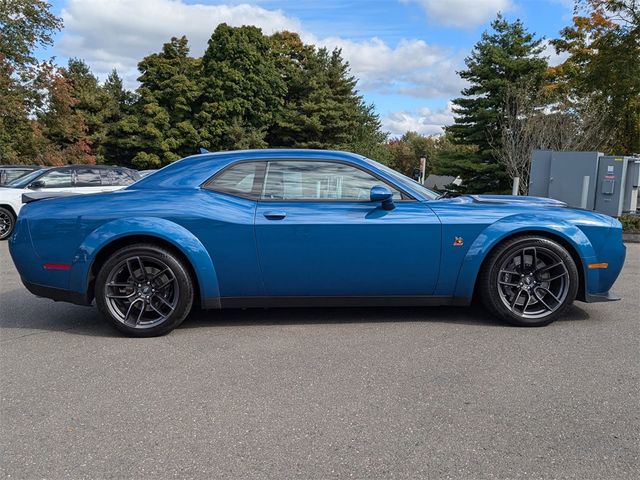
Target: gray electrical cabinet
591,180
540,173
560,175
617,185
566,176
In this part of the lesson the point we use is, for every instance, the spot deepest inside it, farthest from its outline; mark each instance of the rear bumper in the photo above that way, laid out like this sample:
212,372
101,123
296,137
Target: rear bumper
57,294
602,297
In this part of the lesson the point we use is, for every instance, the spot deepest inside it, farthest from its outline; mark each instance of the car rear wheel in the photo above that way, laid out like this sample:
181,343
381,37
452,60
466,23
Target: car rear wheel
529,281
144,290
7,222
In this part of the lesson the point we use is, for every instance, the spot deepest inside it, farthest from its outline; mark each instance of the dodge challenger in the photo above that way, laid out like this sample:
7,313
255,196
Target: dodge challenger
282,228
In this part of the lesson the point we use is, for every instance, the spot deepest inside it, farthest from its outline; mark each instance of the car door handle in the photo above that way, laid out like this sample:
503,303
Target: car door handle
274,215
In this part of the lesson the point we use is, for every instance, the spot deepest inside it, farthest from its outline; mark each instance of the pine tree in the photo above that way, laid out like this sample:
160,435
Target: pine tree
242,89
163,118
117,146
90,101
508,56
321,107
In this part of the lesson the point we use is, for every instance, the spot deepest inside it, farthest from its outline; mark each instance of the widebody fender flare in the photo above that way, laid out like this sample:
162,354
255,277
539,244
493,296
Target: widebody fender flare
163,229
508,227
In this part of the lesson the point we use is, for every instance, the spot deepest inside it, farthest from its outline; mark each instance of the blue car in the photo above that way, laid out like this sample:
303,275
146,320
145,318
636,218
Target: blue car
273,228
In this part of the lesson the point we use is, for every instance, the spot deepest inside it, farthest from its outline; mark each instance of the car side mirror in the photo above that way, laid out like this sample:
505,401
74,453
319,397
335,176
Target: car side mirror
36,184
382,194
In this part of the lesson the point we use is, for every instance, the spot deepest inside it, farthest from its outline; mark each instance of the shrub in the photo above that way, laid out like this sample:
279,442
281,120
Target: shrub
630,223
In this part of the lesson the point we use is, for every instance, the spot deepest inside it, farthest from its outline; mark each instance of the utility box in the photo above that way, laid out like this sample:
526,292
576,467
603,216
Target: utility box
591,180
617,185
540,173
560,175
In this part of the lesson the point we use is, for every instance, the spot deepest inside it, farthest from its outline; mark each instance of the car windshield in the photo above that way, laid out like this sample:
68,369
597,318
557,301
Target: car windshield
430,194
25,180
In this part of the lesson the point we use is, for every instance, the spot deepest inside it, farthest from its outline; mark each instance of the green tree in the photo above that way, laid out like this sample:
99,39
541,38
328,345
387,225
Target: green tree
242,89
162,123
90,101
369,139
603,65
118,145
449,152
506,57
321,106
402,158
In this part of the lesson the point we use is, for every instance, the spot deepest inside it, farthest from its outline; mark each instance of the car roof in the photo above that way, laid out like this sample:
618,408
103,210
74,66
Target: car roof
194,170
32,167
81,165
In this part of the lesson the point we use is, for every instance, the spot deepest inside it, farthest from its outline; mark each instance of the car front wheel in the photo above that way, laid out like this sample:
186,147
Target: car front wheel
7,222
529,281
144,290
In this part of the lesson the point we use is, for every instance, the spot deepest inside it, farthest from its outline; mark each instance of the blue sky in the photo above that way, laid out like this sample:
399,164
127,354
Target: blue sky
404,52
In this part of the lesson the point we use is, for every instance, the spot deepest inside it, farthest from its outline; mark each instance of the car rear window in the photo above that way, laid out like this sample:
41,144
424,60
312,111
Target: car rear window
241,180
88,177
118,177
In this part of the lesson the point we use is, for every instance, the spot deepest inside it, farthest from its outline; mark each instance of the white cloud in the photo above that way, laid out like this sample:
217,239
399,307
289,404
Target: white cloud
119,33
425,121
462,13
555,59
413,67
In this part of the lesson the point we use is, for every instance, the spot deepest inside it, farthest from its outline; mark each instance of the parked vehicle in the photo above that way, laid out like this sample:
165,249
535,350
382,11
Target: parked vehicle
144,173
72,179
9,173
303,227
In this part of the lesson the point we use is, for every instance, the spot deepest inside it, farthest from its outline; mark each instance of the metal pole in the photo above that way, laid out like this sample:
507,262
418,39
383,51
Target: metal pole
516,186
423,168
585,191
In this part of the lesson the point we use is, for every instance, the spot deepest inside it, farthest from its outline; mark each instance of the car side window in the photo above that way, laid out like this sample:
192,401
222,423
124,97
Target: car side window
241,180
88,177
117,177
57,179
321,181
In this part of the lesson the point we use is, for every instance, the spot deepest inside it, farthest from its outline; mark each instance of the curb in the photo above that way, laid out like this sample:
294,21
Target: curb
631,237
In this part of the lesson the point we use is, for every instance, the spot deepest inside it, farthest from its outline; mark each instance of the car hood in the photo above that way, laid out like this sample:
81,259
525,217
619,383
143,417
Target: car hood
515,200
10,192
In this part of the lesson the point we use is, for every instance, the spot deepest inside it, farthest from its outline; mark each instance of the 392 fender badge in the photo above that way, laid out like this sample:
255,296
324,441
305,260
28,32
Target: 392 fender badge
458,241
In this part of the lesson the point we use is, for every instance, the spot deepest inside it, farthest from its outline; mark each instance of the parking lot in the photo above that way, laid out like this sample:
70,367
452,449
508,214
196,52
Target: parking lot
320,393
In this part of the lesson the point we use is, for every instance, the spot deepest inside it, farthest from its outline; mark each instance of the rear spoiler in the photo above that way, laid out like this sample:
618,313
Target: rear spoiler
35,196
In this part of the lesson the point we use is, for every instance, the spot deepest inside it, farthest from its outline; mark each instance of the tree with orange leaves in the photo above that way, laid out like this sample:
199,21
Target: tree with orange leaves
603,64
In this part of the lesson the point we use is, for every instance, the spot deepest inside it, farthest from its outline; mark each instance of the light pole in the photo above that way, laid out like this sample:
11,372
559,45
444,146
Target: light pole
423,168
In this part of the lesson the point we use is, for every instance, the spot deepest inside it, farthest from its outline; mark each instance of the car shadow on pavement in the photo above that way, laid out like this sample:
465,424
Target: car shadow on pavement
473,315
19,310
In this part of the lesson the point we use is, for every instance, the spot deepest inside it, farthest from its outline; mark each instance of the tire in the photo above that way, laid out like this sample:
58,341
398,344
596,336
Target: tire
7,223
144,290
533,292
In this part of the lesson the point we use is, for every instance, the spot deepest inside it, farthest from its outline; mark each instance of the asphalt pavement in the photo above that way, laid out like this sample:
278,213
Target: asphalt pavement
320,393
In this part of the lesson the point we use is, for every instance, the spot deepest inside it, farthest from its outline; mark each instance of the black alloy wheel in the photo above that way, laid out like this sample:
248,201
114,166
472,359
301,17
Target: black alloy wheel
144,290
7,223
529,281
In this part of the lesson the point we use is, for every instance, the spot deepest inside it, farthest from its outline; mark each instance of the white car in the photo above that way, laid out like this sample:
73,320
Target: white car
72,178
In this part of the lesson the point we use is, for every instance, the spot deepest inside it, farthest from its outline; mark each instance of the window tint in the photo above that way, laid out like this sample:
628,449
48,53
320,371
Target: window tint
293,180
238,180
88,177
25,180
57,179
117,177
11,174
